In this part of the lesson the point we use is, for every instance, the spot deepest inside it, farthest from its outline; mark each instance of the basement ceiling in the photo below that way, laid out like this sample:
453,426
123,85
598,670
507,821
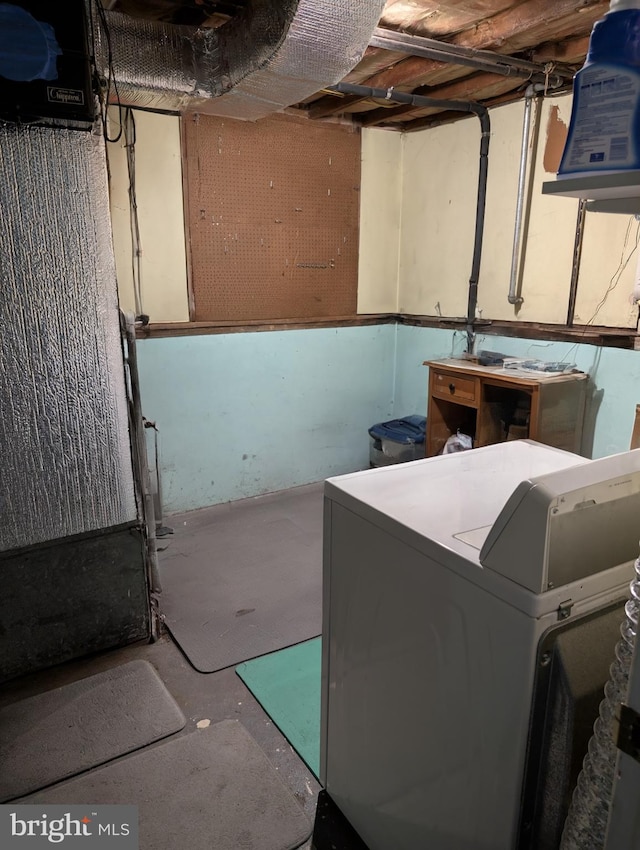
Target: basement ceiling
553,34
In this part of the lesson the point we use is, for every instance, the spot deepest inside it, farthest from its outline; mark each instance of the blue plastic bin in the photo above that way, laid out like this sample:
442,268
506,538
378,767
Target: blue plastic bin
397,441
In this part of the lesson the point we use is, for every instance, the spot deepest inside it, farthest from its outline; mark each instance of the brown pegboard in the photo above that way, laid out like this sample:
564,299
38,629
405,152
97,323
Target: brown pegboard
272,211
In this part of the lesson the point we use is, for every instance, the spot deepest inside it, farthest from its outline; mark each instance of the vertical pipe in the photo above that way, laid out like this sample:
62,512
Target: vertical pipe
577,258
485,126
139,447
530,93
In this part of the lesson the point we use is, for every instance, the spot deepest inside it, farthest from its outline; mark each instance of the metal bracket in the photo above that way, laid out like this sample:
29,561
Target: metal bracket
628,732
564,609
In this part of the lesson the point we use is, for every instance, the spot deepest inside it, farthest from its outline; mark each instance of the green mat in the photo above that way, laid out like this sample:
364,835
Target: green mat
287,685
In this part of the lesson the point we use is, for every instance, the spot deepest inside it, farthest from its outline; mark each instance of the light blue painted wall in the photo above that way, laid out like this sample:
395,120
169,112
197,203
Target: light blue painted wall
615,378
414,346
249,413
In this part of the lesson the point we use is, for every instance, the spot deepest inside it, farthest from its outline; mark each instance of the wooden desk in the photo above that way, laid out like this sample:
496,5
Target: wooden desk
485,401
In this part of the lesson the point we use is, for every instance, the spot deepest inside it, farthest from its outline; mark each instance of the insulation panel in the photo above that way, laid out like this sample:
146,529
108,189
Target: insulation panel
66,462
273,213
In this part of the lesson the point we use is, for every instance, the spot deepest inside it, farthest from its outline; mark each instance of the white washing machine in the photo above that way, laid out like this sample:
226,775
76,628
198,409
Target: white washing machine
471,607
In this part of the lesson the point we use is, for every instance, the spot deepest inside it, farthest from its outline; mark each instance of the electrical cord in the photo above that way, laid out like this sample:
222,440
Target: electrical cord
111,82
613,283
129,130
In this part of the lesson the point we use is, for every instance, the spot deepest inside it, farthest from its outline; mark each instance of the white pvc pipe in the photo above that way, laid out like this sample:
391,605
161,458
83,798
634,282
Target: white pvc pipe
517,232
530,94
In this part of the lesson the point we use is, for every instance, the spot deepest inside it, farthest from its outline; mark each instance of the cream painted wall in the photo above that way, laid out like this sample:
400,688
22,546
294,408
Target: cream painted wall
439,188
418,194
438,206
380,220
160,209
548,241
603,257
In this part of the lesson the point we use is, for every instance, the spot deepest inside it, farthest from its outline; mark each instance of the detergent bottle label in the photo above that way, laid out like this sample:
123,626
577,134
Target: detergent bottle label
605,121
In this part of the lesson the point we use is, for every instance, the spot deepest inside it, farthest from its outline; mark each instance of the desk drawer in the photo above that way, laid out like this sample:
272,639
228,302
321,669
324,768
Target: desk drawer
447,385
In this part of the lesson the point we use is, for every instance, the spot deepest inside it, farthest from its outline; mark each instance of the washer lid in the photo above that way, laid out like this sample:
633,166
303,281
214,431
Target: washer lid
446,506
443,498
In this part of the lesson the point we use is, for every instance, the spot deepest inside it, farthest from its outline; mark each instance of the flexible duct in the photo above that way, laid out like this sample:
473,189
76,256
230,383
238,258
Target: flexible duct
271,55
586,824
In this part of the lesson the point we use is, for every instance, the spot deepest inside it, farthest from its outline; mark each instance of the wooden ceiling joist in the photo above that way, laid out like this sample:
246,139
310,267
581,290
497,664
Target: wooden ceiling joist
568,52
511,31
332,104
375,59
517,28
438,20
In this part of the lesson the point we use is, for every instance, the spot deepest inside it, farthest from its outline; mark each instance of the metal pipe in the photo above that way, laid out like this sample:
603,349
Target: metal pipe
486,60
485,128
577,259
530,93
139,450
409,99
522,174
479,233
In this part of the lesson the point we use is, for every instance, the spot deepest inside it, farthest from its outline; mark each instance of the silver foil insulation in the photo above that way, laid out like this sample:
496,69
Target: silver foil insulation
64,444
270,56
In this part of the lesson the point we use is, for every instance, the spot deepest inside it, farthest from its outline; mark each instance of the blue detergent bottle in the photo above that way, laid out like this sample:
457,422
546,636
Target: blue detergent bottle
604,133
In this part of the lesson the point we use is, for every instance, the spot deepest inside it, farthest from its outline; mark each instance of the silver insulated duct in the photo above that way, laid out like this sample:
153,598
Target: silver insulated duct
272,55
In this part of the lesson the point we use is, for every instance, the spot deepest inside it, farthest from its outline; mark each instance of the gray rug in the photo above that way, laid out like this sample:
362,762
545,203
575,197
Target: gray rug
245,579
65,731
213,789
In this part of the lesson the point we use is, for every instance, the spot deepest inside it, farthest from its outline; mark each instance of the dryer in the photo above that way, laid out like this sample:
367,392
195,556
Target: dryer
471,608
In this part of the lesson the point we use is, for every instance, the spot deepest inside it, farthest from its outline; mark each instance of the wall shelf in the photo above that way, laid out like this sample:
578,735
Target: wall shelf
612,193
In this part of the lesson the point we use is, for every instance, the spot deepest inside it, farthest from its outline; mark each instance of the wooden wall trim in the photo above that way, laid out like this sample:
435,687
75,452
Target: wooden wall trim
168,329
605,337
625,338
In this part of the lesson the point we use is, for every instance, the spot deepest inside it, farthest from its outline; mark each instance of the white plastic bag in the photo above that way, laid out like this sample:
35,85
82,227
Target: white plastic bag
457,443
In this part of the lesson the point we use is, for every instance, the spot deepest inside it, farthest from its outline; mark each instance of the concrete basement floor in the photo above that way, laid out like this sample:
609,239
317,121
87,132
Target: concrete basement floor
210,696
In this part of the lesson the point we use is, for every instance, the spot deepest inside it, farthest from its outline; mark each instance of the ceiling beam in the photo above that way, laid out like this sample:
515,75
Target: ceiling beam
512,27
519,28
569,52
375,59
438,20
332,104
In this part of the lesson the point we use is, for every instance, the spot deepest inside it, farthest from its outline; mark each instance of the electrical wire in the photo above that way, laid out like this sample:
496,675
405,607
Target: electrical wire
111,82
129,130
615,280
613,283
